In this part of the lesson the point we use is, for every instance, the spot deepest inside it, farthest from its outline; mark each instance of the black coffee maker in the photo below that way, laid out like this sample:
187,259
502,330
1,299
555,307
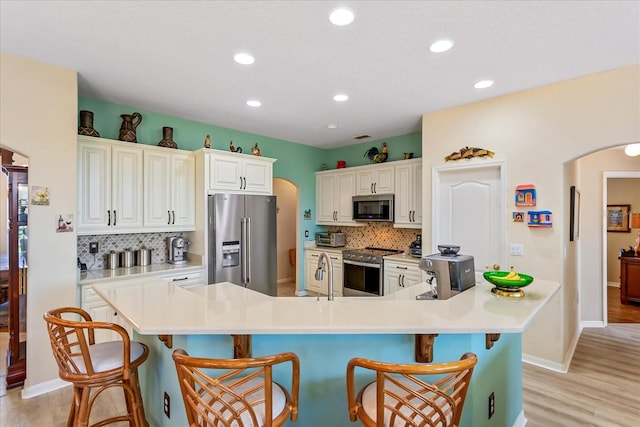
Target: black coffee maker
415,249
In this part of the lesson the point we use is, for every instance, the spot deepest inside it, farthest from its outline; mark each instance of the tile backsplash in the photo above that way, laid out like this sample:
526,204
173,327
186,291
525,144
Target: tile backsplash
120,242
379,235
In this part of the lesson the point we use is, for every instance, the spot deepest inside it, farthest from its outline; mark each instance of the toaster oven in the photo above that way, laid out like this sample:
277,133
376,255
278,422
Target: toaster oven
331,239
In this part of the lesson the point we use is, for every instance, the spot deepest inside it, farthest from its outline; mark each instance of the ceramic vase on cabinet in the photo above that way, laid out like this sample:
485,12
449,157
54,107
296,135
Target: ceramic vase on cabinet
167,138
128,127
86,124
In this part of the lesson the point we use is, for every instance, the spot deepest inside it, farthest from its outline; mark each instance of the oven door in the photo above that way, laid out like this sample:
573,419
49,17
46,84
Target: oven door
361,279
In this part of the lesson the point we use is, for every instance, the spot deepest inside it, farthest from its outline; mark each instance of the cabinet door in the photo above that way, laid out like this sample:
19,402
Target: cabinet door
391,281
183,193
375,179
258,176
101,312
337,276
325,197
157,194
311,264
225,173
94,186
408,200
344,197
127,187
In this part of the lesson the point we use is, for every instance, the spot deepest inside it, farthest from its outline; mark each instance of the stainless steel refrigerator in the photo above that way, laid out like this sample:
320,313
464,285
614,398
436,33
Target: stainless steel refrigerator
242,241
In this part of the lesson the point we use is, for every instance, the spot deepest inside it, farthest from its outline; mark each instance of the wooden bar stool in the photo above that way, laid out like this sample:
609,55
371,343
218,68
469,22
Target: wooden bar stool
95,367
407,398
242,395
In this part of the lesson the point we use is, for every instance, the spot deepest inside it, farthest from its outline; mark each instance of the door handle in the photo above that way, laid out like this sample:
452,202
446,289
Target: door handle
114,217
168,218
371,187
375,184
108,218
173,217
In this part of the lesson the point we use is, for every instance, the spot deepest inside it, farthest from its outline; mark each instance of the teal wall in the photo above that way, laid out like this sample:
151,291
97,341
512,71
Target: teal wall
296,163
323,362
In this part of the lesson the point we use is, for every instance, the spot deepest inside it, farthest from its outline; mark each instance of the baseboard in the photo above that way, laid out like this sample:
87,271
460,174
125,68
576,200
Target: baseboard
555,366
614,284
41,388
521,421
285,280
591,324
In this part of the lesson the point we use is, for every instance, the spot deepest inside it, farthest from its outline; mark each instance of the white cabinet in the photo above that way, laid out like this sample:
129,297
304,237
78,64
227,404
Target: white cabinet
375,179
399,275
185,280
334,193
169,190
240,173
408,200
315,287
109,186
100,311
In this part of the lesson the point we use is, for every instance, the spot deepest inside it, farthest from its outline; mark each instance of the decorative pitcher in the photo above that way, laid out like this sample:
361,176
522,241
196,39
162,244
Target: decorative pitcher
128,128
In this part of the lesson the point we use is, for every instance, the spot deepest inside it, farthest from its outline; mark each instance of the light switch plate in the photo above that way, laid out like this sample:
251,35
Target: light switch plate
517,249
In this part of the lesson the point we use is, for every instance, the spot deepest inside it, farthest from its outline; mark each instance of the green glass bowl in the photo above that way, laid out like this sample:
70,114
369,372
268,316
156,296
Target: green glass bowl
497,278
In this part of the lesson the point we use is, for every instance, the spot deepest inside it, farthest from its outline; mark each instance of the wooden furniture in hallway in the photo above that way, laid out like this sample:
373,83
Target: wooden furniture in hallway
629,280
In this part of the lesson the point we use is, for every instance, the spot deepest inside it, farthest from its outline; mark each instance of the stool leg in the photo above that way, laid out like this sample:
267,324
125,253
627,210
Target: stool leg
73,410
83,410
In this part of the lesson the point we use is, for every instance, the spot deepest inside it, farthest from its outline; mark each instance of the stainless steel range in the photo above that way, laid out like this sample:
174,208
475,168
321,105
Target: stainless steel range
363,271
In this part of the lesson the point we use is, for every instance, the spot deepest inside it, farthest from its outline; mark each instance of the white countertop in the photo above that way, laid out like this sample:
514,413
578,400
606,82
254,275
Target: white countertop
92,277
403,257
153,306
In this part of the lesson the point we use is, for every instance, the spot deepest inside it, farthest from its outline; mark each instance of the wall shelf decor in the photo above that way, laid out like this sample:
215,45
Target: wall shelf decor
542,219
525,195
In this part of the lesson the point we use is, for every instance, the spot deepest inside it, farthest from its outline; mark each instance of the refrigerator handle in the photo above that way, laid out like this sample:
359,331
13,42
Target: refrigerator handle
243,250
247,277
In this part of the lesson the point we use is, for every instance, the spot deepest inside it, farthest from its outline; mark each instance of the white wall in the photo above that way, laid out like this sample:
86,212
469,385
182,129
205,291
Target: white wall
538,131
38,113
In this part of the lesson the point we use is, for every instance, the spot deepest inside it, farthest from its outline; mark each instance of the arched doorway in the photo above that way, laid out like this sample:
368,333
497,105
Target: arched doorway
287,195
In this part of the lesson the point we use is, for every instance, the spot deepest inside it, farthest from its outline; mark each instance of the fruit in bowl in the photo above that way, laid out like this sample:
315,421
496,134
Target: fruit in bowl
508,279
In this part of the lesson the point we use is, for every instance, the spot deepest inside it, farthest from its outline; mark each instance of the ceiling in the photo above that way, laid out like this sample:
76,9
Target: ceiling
176,57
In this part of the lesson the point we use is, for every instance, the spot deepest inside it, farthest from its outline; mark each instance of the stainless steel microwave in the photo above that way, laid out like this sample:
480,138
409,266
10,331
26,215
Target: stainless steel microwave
374,207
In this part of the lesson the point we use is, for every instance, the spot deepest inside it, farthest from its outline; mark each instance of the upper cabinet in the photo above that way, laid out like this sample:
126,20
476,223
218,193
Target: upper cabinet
239,173
375,179
334,193
169,189
132,188
109,186
408,200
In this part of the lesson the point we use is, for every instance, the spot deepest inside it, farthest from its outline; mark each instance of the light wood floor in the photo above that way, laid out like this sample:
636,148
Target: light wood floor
619,313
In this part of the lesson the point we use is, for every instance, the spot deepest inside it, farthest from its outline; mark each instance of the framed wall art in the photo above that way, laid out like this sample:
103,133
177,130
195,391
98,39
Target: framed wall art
618,218
574,214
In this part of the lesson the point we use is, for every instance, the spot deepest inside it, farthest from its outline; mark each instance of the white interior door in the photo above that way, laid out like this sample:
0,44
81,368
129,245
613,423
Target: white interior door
469,210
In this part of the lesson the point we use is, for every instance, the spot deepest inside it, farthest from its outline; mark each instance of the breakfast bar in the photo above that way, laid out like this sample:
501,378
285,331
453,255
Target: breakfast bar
326,334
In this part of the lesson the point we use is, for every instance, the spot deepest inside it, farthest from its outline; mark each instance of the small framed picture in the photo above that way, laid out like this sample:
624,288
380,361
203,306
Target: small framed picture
618,218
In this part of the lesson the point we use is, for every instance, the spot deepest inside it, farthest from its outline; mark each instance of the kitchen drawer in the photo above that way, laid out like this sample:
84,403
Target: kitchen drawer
190,279
88,295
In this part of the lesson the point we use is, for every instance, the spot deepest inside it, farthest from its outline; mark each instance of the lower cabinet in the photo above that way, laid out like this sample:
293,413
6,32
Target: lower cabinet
314,286
100,311
399,275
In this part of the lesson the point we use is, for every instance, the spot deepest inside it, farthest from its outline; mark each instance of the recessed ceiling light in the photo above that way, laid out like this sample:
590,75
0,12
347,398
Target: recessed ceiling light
341,16
483,84
441,46
244,58
341,97
254,103
632,150
332,126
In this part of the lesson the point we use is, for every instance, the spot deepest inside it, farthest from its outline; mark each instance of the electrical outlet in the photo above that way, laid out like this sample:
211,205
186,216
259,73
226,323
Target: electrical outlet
93,247
492,405
167,405
306,233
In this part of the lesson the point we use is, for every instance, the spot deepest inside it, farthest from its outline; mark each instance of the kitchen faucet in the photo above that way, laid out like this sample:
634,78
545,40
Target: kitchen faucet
323,256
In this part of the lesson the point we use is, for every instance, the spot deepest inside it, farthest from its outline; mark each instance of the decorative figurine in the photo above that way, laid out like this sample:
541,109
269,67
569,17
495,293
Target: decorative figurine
468,153
377,156
233,149
255,150
86,124
207,142
408,156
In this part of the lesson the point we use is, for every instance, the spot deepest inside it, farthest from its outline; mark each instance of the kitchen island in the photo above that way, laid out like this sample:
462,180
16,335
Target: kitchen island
326,334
